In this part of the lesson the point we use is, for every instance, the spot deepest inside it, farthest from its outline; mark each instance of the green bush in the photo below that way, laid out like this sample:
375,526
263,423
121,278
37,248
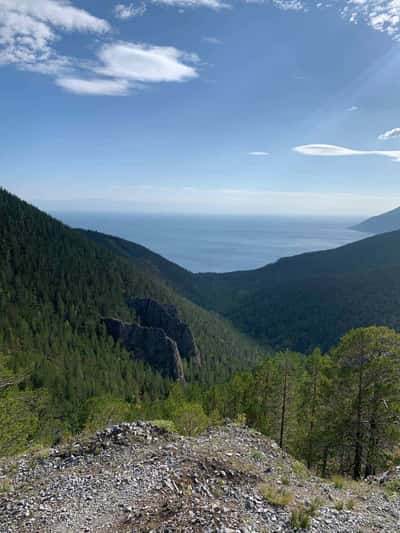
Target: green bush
190,419
104,411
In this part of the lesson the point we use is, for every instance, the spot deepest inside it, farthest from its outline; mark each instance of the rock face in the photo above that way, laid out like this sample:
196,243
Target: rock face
156,315
148,344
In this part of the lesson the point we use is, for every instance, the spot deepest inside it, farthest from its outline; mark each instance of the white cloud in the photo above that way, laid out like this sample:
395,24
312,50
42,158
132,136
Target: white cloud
259,153
123,66
353,108
381,15
331,150
145,63
127,11
395,132
94,86
29,29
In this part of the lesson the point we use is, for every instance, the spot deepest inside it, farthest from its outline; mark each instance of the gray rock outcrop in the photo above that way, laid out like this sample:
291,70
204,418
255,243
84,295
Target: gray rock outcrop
155,315
150,344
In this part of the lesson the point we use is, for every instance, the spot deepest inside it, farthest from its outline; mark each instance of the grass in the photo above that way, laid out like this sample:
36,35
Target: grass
279,497
392,487
350,504
257,456
5,486
285,480
300,518
339,482
315,505
339,505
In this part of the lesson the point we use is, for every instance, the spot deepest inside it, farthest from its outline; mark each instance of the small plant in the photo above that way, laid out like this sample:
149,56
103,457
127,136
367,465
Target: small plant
300,518
339,482
285,481
339,505
350,504
314,506
257,455
278,497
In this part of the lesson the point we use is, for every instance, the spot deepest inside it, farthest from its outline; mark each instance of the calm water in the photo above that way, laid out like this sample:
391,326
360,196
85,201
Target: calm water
221,243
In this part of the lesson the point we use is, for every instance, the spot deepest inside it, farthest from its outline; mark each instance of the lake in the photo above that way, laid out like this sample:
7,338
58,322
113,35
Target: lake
220,243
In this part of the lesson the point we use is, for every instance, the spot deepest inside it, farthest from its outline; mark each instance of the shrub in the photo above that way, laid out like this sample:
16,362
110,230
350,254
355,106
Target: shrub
168,425
190,419
106,410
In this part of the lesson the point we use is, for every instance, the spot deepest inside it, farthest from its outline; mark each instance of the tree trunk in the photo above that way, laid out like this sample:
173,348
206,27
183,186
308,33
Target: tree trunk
283,414
358,444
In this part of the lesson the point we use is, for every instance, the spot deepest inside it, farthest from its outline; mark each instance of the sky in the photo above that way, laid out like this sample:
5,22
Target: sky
204,106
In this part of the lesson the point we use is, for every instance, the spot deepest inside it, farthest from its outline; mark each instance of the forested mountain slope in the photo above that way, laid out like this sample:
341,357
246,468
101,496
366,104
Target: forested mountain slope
302,301
385,222
55,285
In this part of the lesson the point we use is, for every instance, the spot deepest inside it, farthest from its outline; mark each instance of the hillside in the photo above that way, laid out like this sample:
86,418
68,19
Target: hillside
389,221
137,477
56,285
298,302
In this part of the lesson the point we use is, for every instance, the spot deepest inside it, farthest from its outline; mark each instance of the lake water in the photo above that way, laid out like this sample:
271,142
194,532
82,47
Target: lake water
221,243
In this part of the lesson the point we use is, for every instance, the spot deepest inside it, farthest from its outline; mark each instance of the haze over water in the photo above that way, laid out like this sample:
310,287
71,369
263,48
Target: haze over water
221,243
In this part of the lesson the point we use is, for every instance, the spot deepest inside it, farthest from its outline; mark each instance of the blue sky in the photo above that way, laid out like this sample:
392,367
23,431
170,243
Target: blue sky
201,105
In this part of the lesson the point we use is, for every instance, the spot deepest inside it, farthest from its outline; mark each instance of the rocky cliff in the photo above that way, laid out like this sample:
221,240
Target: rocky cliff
150,344
156,315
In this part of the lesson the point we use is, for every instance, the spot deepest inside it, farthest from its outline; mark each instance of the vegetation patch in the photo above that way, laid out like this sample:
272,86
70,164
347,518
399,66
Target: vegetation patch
300,518
278,497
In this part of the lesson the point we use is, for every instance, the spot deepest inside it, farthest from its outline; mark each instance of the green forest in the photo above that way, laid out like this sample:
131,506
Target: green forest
334,402
55,286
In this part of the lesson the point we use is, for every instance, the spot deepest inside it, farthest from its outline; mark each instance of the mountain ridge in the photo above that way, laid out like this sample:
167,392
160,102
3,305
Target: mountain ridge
385,222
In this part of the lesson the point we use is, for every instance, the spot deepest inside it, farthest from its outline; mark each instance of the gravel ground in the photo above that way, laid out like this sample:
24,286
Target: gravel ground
140,478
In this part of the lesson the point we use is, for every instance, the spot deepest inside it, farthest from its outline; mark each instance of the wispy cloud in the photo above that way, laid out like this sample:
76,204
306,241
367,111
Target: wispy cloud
189,199
212,40
331,150
395,132
261,154
94,86
353,108
213,4
128,11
